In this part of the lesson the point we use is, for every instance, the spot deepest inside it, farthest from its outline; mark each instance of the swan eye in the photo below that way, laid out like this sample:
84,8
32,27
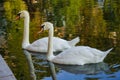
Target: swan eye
42,26
18,14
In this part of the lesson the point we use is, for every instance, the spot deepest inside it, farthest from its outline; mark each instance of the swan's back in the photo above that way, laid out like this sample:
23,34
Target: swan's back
41,45
79,56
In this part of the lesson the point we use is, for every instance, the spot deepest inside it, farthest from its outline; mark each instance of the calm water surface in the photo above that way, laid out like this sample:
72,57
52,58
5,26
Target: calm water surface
96,22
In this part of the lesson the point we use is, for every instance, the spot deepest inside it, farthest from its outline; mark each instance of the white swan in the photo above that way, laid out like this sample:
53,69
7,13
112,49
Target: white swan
40,45
79,55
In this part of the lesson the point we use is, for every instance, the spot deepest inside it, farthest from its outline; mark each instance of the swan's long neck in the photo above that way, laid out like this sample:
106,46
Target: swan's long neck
50,44
25,42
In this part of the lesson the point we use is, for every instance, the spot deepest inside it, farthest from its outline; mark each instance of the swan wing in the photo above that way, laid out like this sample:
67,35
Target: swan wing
60,44
74,41
41,45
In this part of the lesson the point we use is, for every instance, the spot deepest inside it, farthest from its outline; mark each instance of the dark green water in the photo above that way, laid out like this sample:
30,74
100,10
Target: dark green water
96,22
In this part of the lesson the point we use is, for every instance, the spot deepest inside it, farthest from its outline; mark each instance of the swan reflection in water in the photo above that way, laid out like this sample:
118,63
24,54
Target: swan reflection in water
30,64
85,72
78,72
85,69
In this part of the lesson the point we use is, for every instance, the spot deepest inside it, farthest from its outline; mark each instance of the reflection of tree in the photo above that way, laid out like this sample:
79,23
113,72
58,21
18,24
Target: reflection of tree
80,17
84,18
113,58
13,6
111,15
36,20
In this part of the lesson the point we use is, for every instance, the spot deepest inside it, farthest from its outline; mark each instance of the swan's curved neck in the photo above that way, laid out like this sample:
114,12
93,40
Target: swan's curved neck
25,42
50,44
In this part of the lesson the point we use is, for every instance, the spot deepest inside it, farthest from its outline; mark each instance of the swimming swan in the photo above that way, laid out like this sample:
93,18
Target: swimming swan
40,45
79,55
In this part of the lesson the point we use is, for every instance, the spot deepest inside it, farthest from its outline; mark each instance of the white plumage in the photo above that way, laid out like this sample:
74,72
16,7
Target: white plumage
79,55
58,45
41,45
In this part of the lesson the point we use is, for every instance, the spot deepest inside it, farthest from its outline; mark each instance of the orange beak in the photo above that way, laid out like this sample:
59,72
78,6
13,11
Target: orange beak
17,18
41,31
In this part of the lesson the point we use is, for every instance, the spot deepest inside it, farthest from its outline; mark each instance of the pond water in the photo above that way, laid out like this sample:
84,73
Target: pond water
96,22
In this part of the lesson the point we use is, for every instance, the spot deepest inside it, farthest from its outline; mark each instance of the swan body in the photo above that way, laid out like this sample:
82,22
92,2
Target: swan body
41,45
79,55
58,45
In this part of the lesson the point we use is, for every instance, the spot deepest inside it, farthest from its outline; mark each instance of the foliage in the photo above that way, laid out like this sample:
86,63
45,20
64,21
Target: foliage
12,7
79,16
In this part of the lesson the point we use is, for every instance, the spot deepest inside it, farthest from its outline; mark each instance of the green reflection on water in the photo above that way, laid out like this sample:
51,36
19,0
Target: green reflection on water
71,18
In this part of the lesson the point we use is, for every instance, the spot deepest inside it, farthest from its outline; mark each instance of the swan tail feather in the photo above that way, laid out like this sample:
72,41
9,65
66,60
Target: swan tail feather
106,52
74,41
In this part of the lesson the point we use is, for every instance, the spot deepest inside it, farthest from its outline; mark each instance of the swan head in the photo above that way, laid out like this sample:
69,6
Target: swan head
22,14
46,26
